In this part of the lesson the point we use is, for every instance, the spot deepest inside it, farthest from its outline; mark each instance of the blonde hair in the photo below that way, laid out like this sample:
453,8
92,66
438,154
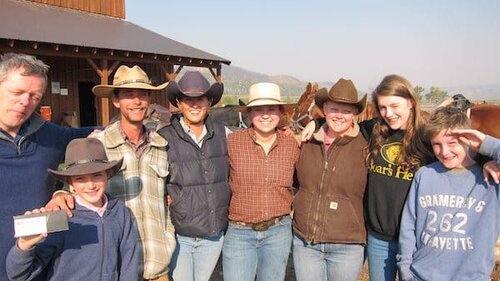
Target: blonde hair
415,151
445,118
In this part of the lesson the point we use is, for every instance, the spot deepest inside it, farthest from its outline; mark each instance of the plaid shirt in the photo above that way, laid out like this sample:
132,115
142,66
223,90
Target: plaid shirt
140,184
261,184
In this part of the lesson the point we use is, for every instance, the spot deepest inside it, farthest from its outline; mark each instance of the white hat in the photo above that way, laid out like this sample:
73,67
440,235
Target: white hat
264,93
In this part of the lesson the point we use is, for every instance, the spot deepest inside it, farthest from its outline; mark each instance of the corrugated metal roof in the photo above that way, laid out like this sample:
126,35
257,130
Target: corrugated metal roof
28,21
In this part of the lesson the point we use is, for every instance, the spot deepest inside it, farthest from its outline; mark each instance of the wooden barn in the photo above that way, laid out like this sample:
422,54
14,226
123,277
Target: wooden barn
83,42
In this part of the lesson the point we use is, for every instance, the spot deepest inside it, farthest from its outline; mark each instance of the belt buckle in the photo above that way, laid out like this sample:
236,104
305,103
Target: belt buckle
260,226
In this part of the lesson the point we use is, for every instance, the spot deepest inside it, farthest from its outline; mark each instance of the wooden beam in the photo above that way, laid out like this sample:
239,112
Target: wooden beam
104,72
105,100
213,73
178,70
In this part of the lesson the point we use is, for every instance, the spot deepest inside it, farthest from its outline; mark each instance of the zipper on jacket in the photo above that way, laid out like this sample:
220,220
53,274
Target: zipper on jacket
18,145
318,206
102,244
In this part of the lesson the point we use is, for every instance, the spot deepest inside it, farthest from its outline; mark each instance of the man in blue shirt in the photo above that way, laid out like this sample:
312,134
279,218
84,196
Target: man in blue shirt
28,144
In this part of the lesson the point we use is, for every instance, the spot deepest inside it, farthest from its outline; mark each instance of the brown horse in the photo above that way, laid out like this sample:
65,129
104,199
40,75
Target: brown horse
306,109
486,118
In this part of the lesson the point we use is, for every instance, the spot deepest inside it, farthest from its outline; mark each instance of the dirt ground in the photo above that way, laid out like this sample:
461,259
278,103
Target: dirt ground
290,276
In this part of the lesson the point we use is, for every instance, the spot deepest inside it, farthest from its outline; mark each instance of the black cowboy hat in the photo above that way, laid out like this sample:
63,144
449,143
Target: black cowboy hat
194,84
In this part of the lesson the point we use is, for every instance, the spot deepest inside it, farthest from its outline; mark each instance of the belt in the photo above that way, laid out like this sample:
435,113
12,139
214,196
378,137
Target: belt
260,226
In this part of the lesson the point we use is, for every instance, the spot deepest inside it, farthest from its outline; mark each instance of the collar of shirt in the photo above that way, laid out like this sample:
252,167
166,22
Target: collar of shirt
99,211
19,134
191,134
138,147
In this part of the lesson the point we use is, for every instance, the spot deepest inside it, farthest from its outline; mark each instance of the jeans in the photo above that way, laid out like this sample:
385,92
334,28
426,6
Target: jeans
194,259
382,259
248,253
327,261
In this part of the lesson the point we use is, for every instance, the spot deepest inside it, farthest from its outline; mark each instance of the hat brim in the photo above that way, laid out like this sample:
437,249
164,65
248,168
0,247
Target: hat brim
322,96
244,108
111,167
214,93
107,90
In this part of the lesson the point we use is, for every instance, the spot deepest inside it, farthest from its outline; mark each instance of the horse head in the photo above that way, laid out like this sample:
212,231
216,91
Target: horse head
306,109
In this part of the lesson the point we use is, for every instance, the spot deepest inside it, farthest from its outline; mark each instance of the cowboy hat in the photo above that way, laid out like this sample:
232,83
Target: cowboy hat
263,93
343,92
127,78
85,156
194,84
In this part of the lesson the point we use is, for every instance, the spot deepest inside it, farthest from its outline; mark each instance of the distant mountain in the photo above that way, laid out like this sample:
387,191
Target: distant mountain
237,81
489,92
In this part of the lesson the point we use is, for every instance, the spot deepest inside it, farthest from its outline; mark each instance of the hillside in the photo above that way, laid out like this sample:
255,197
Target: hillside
237,81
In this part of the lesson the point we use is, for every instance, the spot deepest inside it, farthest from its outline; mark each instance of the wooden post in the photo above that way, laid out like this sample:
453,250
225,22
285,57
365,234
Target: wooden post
104,72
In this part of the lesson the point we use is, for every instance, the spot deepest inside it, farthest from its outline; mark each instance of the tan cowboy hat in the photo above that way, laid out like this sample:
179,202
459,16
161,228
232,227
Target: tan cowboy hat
127,78
85,156
343,92
194,84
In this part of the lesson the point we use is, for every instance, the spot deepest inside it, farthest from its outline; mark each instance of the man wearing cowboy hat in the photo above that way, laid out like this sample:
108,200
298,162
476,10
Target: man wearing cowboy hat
197,183
28,144
101,242
262,163
141,182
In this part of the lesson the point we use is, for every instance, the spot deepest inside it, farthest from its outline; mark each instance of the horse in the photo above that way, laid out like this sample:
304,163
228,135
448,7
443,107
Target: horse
306,109
486,118
232,119
483,117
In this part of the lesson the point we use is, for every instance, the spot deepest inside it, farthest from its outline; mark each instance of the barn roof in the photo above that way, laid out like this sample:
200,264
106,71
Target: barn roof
32,22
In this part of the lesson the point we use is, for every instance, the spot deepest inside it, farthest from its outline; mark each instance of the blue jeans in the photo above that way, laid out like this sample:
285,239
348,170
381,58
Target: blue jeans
327,261
382,259
194,259
247,253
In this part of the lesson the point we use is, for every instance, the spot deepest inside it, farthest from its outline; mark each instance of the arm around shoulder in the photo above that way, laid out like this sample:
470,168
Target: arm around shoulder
491,147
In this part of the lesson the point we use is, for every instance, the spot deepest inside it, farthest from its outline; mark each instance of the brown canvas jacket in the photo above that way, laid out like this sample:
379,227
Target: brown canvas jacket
329,204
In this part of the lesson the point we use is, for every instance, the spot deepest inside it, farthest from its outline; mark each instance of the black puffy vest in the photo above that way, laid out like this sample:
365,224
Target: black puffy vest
198,180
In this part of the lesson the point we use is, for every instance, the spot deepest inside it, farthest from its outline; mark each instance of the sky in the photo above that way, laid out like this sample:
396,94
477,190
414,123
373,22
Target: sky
432,43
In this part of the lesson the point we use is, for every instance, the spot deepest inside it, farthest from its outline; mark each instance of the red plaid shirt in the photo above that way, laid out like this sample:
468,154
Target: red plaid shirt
261,184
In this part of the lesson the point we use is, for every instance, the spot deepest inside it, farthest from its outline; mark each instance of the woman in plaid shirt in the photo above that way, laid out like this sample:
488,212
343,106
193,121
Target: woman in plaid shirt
262,162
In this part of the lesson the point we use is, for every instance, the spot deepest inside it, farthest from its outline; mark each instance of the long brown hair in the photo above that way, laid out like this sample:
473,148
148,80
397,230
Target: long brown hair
415,149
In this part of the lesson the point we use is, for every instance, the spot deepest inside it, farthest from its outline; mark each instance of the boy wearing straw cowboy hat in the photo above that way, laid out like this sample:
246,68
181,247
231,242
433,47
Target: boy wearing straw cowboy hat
262,161
140,184
101,242
197,184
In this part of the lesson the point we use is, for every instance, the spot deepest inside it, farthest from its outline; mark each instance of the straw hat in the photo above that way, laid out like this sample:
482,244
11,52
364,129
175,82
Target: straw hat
127,78
343,92
194,84
85,156
263,93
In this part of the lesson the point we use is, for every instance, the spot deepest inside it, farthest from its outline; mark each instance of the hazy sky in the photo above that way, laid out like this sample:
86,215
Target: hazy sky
435,42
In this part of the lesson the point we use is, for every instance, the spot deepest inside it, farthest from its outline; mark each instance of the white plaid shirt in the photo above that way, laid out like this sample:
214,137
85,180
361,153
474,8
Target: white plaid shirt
140,184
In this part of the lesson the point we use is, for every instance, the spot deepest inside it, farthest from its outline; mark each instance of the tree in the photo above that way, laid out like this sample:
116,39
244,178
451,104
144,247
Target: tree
419,91
436,95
